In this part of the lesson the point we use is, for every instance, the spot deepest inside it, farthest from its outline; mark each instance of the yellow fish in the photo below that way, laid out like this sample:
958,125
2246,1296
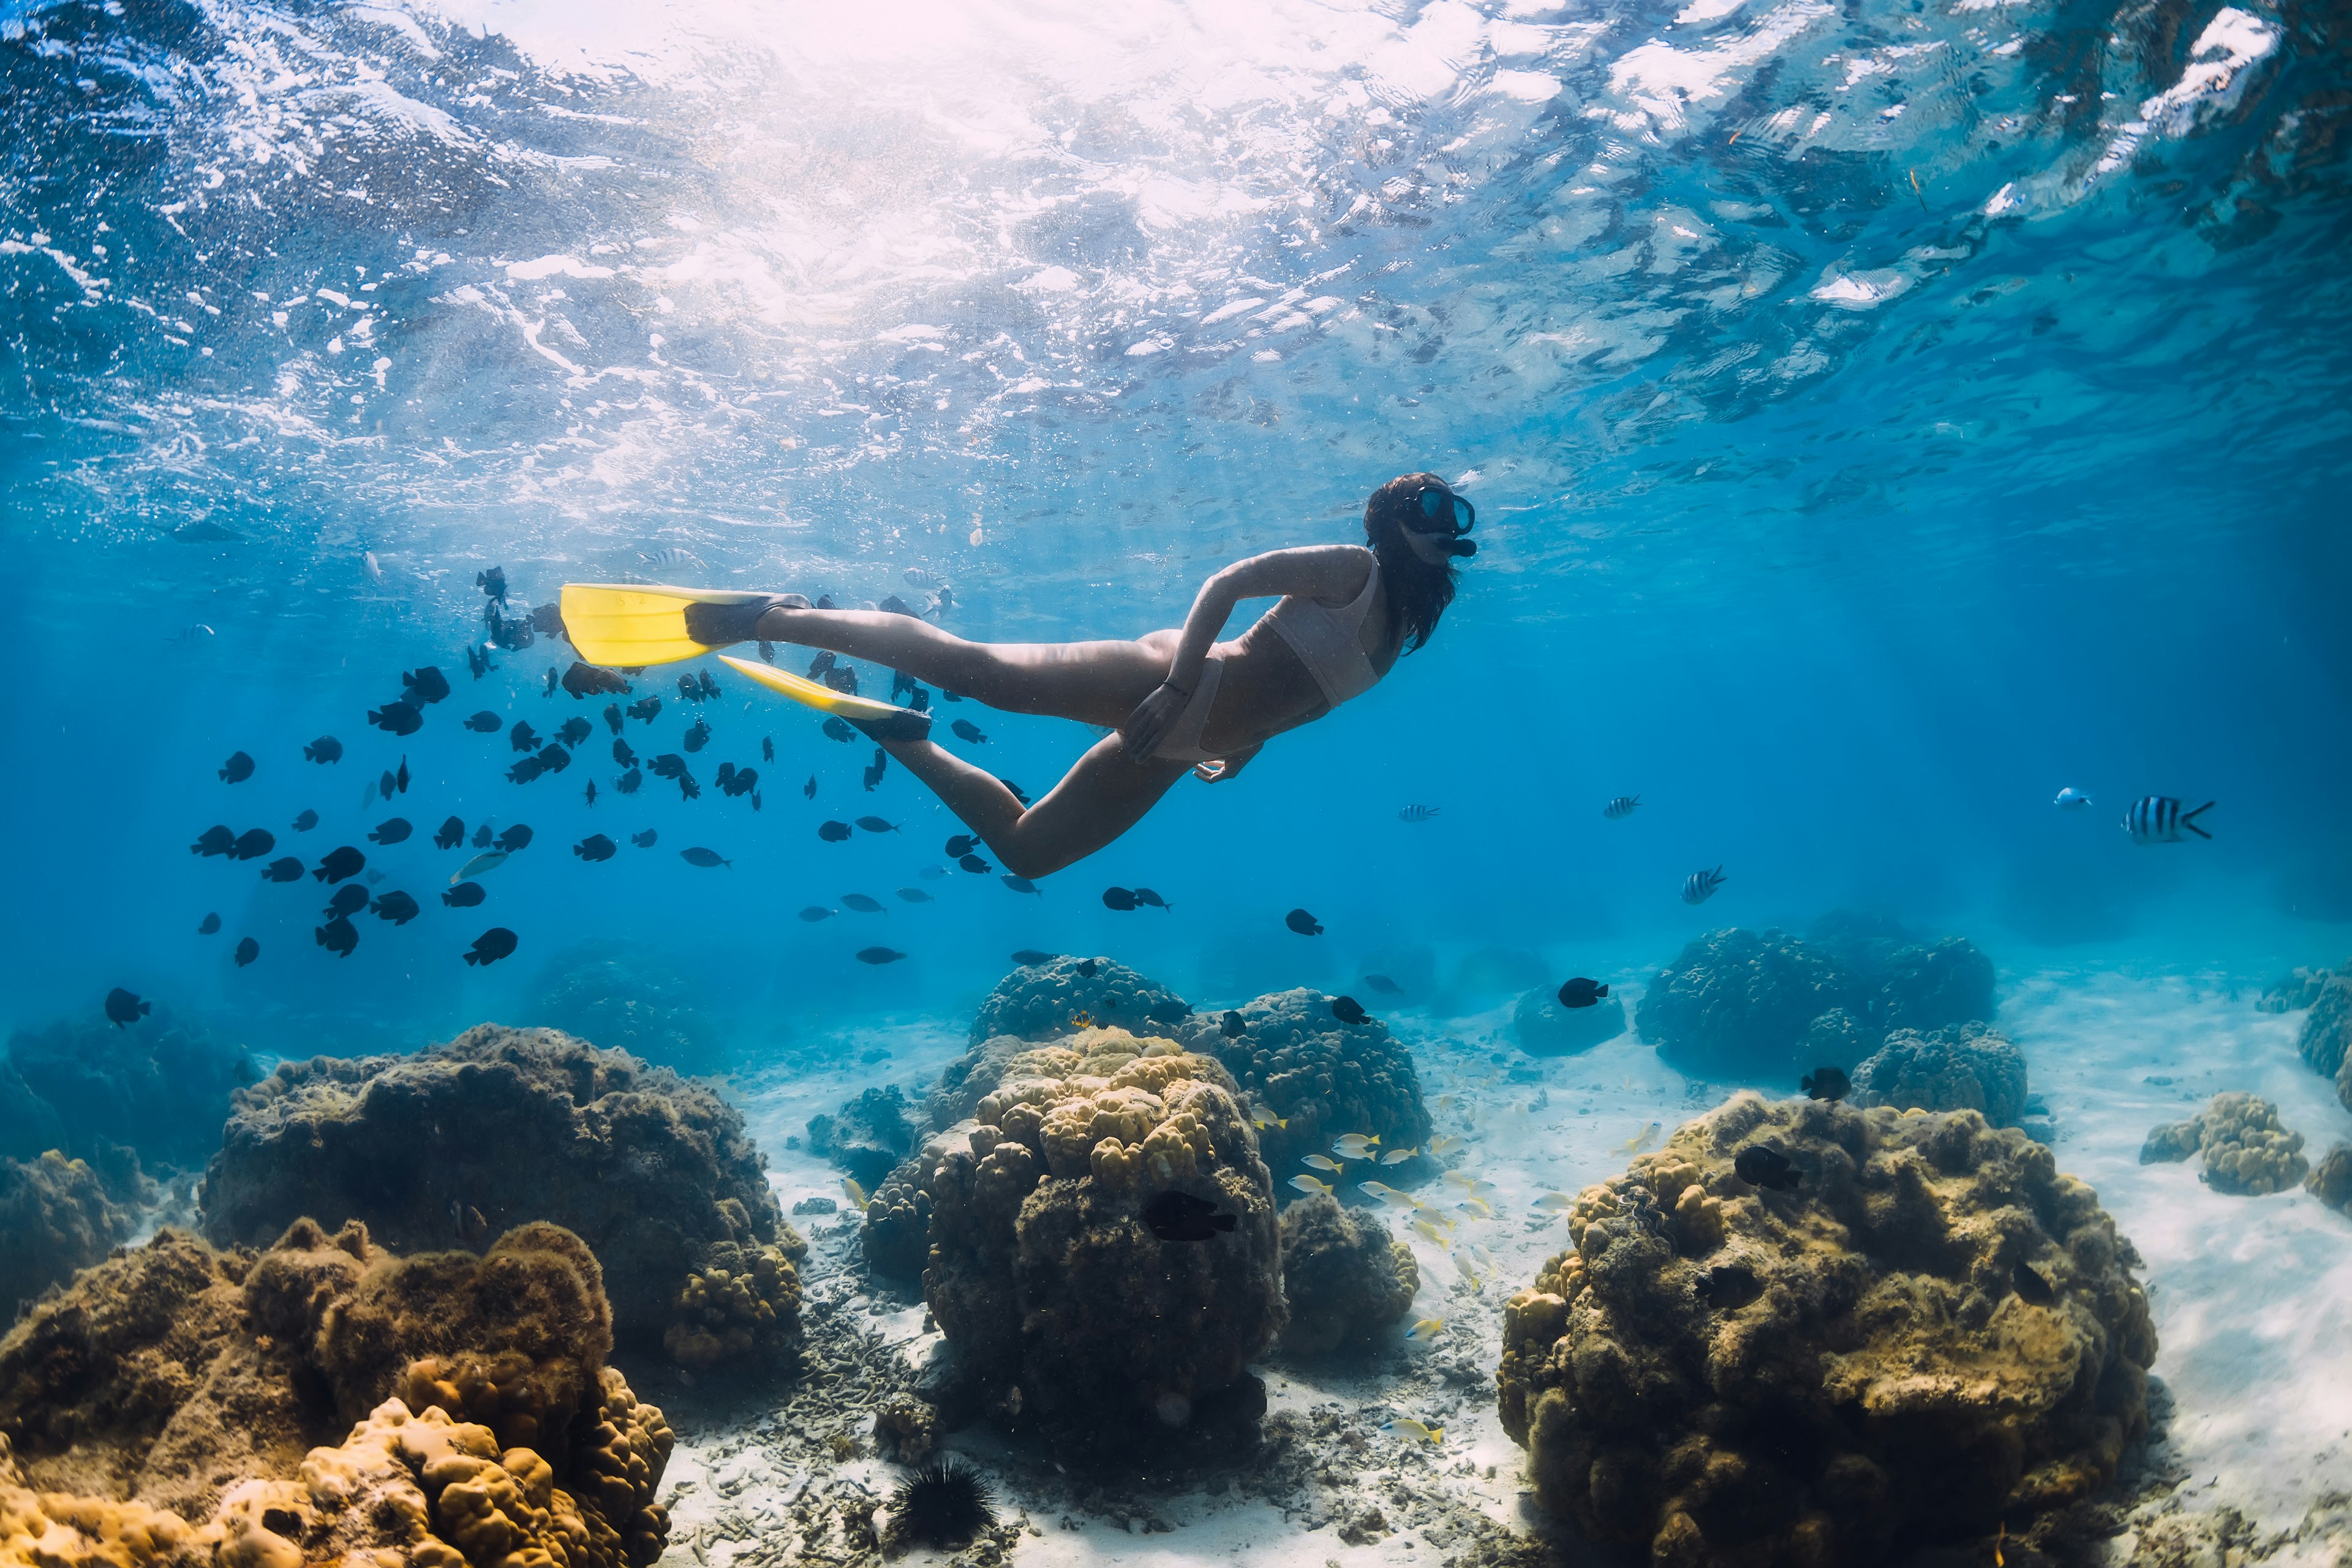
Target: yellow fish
1555,1201
1640,1141
1448,1144
1424,1329
1389,1195
1445,1102
1309,1184
1323,1163
1406,1427
1429,1230
854,1193
1398,1156
1477,1206
1355,1145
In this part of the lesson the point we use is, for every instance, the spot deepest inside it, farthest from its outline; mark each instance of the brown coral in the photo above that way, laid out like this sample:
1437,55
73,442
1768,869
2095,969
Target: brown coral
1344,1279
1043,1274
56,1218
744,1302
2331,1180
1942,1335
183,1404
2247,1151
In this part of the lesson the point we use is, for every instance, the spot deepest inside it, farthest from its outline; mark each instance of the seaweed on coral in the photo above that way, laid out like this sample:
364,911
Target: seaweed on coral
56,1218
1885,1387
1344,1280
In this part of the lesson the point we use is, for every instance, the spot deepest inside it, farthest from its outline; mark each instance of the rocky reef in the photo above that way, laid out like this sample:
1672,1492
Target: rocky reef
1742,1004
185,1405
867,1137
620,996
1345,1279
500,1126
1960,1067
1297,1064
1061,1303
56,1218
162,1090
1928,1335
2247,1151
1545,1029
1043,1001
895,1236
2331,1180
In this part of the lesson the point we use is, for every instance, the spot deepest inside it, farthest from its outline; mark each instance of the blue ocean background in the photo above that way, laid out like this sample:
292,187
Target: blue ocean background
1879,418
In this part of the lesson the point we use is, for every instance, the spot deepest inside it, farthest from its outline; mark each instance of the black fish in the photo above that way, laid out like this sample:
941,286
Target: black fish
669,765
878,955
573,730
325,749
587,680
596,847
247,951
338,936
1349,1011
686,690
837,729
238,769
1118,899
1030,957
842,679
1088,968
492,582
287,870
706,858
384,787
464,896
208,925
218,839
1302,923
253,844
477,661
767,748
875,825
341,863
965,729
514,839
1762,1167
550,682
424,684
1181,1216
645,707
492,945
975,864
874,771
743,783
400,779
1146,896
548,621
816,912
808,790
485,723
1233,1026
1826,1083
2030,1286
698,736
554,758
124,1009
589,794
1169,1012
767,651
522,737
629,782
895,606
862,904
1015,791
349,898
950,696
902,683
1580,992
962,844
1020,884
833,832
707,686
1384,984
482,836
451,834
307,821
391,830
400,718
644,840
1728,1287
525,770
821,663
613,718
396,907
623,755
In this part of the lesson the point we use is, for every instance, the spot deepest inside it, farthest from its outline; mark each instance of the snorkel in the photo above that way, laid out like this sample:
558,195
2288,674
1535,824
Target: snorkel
1434,527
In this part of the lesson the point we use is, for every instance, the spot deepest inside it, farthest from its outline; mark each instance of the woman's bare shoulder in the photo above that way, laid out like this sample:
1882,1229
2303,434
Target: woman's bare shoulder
1313,570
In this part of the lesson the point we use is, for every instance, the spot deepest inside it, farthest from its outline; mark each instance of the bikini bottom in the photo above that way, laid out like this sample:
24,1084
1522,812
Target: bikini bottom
1183,741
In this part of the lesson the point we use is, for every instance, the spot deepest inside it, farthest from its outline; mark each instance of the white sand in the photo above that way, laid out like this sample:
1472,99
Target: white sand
2253,1296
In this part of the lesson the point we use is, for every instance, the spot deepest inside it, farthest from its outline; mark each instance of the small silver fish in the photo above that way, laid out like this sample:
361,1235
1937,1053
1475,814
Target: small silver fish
2072,799
490,860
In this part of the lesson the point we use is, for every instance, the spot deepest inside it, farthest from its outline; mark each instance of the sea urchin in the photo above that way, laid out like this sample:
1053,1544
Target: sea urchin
944,1503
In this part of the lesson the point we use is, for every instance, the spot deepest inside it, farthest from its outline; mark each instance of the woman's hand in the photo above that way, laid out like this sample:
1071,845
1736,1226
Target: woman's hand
1223,769
1153,717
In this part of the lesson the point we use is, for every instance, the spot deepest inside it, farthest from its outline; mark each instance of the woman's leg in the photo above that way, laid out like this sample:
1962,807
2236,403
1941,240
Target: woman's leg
1100,798
1093,682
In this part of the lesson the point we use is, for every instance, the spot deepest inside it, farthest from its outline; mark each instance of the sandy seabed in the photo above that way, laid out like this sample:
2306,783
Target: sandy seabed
2252,1299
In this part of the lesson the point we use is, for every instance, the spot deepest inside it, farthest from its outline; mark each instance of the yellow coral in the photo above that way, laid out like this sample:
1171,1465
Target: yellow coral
745,1299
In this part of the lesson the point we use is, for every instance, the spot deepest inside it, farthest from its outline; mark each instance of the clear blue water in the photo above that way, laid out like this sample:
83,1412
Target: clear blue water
1880,417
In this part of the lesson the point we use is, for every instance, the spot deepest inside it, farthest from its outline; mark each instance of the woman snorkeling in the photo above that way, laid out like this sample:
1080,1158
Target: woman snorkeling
1180,701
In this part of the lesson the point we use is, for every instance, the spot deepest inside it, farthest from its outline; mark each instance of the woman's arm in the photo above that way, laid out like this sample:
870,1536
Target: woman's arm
1333,573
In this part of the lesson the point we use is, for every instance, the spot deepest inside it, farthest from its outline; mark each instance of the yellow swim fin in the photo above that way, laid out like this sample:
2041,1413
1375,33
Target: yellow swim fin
880,721
624,625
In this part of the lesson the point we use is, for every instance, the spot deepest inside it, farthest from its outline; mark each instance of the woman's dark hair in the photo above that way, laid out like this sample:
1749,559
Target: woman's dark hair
1418,592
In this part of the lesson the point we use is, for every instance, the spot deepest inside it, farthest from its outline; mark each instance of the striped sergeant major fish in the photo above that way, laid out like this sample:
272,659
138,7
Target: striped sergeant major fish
2158,819
1701,886
1418,813
1621,807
